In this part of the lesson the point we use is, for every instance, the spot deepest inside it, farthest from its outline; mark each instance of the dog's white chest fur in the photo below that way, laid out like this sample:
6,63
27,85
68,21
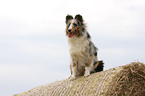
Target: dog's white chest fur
77,46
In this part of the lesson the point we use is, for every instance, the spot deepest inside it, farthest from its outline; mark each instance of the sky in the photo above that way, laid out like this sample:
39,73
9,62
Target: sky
33,45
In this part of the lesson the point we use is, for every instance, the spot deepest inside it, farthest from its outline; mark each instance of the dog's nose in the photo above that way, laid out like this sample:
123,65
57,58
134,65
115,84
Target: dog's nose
69,30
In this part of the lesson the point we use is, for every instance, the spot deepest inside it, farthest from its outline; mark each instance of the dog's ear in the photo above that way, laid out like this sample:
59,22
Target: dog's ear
68,17
79,18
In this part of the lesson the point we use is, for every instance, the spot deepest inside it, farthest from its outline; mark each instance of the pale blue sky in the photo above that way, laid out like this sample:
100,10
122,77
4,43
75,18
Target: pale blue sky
33,45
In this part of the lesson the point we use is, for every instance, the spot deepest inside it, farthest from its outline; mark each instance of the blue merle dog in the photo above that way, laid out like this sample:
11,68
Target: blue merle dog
82,50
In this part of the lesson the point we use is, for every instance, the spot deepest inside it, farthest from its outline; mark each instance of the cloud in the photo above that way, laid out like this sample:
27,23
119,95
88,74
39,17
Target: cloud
28,73
35,17
17,78
33,49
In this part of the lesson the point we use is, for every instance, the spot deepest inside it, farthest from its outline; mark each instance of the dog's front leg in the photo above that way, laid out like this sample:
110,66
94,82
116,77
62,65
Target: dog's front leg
88,67
74,70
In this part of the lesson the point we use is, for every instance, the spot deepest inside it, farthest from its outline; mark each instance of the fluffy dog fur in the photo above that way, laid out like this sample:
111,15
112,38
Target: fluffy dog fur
82,51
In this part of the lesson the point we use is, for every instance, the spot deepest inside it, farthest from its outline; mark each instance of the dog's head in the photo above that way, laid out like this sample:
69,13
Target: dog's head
74,25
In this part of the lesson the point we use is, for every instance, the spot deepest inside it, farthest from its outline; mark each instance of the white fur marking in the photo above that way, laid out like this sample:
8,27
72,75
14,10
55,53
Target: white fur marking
71,24
87,71
74,70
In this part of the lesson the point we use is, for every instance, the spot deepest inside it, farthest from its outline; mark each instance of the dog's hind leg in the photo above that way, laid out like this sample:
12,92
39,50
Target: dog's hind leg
87,71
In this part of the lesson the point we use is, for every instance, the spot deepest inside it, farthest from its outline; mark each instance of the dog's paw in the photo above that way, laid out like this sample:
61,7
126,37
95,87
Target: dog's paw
86,74
72,78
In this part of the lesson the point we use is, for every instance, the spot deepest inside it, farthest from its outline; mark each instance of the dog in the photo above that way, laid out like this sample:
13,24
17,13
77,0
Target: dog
83,52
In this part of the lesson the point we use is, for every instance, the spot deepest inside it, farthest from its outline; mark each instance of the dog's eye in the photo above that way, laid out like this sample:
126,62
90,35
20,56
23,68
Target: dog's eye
75,25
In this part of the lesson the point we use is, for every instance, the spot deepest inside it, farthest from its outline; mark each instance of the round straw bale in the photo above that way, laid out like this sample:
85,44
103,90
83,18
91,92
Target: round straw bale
128,80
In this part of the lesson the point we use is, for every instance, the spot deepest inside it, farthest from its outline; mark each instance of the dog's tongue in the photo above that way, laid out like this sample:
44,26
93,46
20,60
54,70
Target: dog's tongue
70,35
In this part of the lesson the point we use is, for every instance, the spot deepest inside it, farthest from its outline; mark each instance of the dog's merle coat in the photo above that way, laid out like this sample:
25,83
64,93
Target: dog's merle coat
82,51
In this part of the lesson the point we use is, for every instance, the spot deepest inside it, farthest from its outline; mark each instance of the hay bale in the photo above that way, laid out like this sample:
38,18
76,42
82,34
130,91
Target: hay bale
128,80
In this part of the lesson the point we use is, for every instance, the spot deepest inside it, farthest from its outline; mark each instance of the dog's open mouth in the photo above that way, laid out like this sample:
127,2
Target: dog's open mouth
70,34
